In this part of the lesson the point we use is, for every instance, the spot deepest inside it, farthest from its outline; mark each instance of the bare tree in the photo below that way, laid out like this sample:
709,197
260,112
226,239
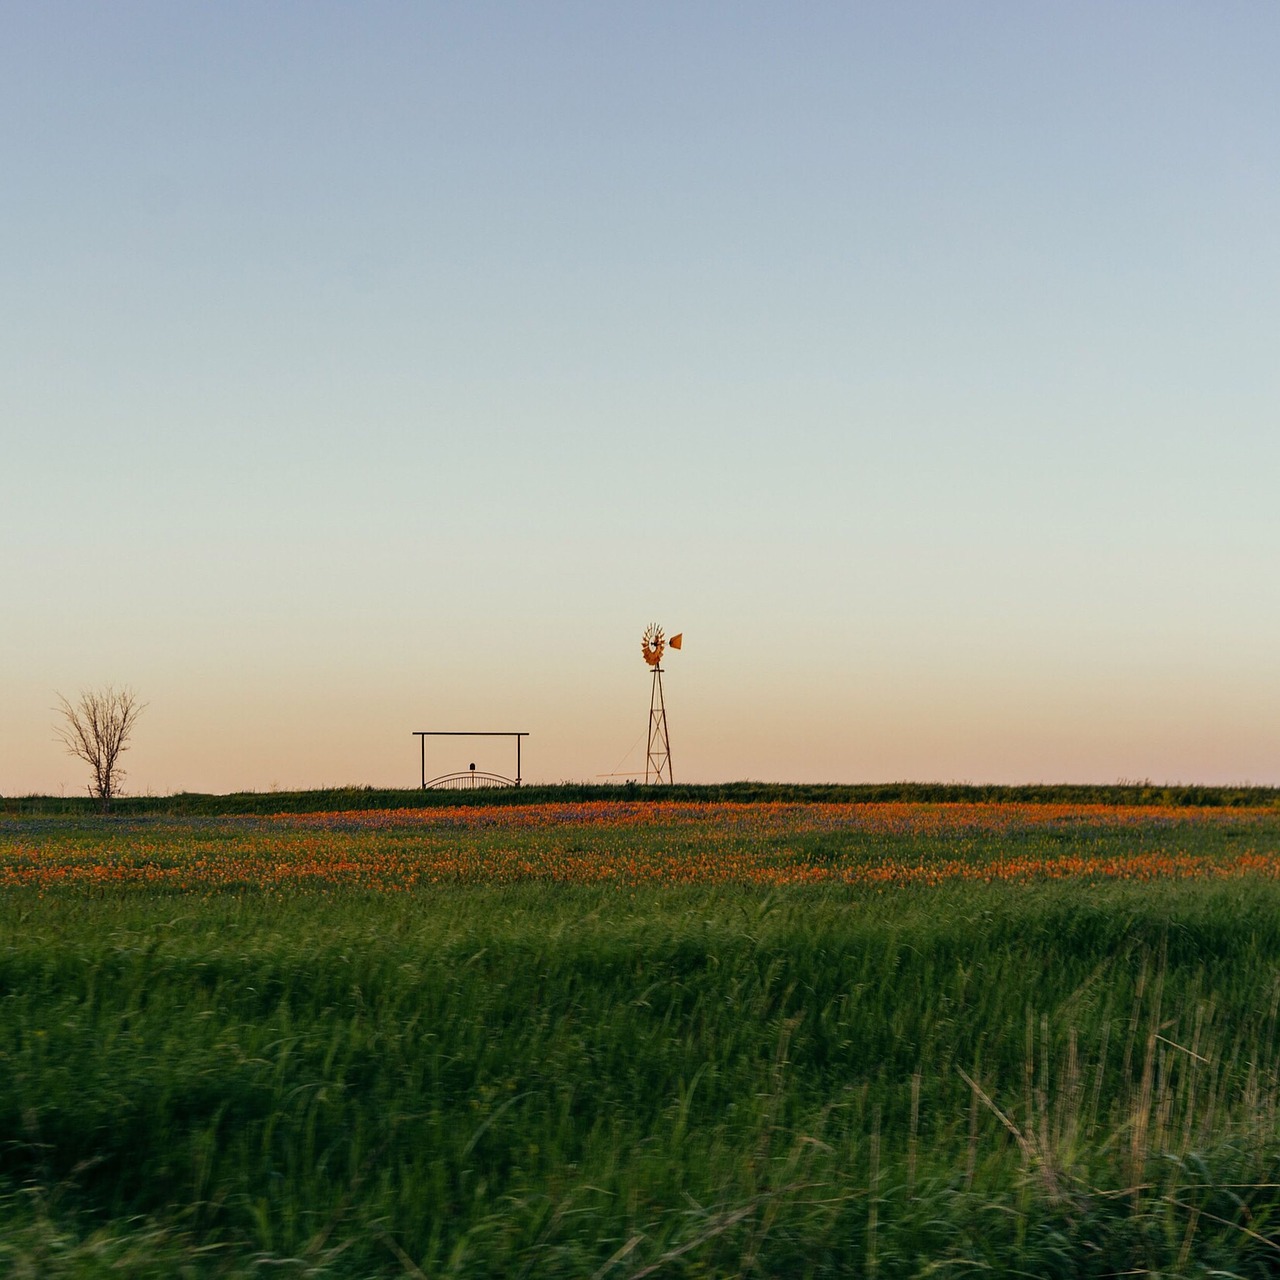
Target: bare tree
97,729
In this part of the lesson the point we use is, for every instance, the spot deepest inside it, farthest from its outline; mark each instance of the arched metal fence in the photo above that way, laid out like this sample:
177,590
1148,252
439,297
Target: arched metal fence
471,780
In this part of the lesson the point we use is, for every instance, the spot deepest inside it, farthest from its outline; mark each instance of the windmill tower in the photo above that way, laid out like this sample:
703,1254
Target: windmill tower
657,764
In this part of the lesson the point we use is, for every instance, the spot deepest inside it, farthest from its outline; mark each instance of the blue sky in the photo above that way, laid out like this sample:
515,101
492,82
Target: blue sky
368,368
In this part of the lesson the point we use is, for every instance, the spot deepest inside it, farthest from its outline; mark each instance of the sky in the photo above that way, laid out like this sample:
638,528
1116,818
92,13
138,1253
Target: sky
369,368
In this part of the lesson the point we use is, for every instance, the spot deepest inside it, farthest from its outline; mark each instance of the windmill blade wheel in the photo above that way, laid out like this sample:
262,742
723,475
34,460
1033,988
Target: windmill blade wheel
652,644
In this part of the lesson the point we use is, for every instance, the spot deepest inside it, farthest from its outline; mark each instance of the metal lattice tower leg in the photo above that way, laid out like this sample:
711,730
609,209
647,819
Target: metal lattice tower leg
657,765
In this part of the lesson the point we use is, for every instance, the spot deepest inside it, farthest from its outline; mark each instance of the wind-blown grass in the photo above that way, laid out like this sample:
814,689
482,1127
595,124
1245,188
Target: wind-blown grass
356,1075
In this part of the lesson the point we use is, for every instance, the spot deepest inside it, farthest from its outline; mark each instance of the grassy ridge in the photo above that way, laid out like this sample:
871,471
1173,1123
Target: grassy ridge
337,799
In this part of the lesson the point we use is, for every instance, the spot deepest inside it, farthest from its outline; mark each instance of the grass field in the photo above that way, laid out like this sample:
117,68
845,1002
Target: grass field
617,1039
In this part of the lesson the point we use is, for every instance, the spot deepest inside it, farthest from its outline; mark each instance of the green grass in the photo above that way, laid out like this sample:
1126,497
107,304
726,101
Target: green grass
355,798
1068,1079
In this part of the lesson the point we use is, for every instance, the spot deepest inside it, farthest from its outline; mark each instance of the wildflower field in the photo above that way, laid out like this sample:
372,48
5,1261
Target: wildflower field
626,1038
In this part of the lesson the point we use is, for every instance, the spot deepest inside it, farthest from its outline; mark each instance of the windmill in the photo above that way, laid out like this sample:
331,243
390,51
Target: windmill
657,765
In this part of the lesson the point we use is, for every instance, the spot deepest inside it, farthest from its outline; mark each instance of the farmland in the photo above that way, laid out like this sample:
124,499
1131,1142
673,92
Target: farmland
615,1039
